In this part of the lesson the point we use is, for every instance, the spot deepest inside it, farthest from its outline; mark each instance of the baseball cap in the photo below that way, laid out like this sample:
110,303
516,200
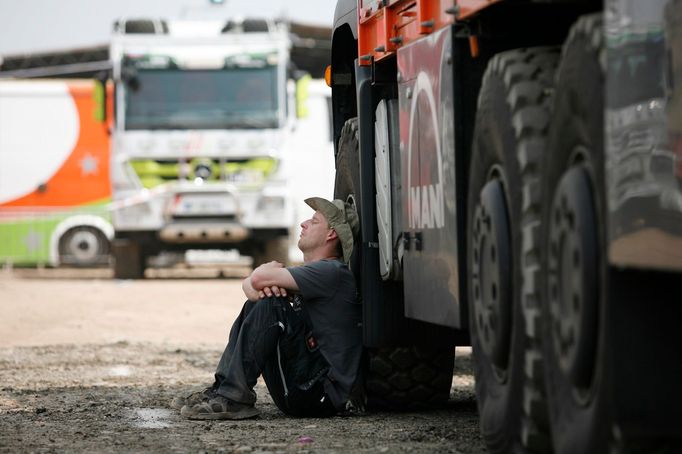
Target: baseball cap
341,217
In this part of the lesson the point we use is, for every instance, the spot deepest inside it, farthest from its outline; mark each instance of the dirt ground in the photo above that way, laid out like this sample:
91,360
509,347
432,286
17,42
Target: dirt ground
88,363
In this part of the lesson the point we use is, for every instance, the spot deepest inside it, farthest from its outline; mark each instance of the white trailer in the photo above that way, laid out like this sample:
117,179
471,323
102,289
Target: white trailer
54,175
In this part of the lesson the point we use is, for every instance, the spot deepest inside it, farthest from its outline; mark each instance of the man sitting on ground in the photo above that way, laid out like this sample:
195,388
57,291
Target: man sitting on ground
300,328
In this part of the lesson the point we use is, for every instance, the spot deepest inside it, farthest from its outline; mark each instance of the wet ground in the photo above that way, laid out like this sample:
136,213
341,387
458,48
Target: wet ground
81,369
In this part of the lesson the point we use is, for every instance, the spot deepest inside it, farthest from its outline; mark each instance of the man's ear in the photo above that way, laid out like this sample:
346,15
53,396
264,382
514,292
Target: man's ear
331,235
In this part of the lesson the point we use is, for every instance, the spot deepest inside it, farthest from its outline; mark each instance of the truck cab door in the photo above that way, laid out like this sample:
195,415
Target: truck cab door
430,264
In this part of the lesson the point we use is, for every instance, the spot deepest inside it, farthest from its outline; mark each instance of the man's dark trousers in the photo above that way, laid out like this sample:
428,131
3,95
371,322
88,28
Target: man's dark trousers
271,338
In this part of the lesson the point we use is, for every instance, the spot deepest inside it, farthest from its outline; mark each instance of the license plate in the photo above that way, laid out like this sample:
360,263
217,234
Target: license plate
204,205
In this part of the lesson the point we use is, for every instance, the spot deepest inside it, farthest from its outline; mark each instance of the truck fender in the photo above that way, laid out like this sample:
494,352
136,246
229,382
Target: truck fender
346,13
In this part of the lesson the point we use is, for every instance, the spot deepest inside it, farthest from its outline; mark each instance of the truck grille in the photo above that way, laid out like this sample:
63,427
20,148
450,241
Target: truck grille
153,172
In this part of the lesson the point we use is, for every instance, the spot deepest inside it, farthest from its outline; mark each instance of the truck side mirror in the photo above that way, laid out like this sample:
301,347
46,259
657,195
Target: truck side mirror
129,76
100,97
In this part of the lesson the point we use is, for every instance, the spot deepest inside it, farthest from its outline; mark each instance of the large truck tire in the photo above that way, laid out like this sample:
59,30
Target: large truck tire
274,249
84,246
610,335
396,378
347,180
573,284
129,259
408,378
510,131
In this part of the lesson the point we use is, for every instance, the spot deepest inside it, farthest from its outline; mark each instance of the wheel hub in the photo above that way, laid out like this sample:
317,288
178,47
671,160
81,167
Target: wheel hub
83,245
491,275
572,278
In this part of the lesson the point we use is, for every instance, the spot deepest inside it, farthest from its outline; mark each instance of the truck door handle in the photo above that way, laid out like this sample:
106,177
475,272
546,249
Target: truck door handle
418,241
407,236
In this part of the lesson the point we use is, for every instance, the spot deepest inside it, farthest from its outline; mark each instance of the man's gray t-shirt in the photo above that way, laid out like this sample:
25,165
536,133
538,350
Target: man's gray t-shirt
330,298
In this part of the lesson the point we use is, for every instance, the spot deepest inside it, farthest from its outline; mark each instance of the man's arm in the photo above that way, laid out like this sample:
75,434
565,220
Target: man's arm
268,279
251,293
273,274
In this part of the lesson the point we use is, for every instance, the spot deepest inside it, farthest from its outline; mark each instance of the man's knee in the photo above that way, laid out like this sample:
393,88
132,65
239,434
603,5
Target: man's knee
270,302
269,308
266,322
262,304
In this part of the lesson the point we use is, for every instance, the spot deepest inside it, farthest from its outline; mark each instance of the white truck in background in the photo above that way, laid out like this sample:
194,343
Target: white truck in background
203,126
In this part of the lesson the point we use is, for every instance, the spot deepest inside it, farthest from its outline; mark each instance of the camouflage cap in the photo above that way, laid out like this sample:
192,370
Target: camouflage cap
341,217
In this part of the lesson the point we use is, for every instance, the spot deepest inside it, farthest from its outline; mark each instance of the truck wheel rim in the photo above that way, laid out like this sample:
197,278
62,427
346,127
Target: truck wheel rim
83,246
572,280
491,276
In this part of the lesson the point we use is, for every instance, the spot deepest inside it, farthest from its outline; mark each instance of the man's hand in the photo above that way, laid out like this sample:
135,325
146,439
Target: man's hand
271,279
272,290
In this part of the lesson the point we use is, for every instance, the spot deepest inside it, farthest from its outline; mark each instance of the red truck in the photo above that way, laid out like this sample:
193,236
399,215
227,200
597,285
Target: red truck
515,166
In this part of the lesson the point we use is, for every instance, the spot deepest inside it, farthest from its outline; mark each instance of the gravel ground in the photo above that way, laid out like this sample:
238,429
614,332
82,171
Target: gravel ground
81,370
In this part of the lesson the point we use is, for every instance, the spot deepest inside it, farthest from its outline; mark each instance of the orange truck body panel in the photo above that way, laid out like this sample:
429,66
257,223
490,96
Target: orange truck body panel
383,29
72,185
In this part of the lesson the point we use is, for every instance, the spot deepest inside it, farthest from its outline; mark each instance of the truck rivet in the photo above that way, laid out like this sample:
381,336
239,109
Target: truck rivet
454,10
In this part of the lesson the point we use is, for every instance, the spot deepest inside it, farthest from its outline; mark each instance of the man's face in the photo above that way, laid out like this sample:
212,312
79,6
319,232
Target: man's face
314,232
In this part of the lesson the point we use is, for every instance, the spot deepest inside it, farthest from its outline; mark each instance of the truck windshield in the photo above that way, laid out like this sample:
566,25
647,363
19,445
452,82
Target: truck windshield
202,99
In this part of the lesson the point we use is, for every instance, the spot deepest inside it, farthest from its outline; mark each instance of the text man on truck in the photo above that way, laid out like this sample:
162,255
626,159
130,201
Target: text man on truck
515,166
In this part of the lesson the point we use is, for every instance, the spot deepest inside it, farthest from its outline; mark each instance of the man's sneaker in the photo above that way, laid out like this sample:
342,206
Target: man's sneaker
219,407
193,398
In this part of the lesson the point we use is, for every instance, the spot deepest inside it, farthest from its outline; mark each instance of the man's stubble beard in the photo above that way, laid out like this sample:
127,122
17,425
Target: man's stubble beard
302,245
305,244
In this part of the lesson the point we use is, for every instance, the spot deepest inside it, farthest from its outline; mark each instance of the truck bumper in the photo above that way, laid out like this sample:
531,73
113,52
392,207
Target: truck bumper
203,232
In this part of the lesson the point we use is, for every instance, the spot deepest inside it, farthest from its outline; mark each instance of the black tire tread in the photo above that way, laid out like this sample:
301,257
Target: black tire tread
536,427
409,378
528,77
128,259
347,162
